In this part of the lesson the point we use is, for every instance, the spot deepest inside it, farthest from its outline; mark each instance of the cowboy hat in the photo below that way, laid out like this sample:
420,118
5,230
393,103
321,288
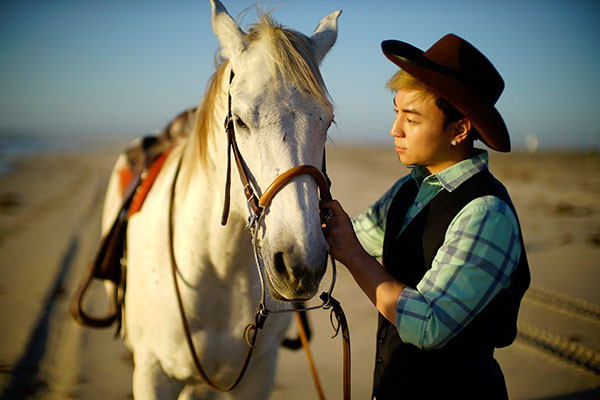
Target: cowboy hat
456,71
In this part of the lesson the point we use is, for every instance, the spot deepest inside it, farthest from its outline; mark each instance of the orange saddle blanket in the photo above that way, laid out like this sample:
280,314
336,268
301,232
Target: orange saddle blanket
128,181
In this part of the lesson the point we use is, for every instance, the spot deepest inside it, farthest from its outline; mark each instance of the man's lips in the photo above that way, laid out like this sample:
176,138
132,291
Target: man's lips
399,149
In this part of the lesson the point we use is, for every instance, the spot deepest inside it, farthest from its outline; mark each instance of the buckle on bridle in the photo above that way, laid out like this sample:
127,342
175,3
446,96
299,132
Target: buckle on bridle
252,219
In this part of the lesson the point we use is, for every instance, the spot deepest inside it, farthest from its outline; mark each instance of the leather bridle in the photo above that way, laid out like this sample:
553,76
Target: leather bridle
257,207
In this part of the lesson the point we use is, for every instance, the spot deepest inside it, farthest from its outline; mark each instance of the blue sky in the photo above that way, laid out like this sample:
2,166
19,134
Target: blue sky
92,68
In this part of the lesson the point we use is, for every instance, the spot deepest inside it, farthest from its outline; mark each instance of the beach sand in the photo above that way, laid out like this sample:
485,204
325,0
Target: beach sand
49,230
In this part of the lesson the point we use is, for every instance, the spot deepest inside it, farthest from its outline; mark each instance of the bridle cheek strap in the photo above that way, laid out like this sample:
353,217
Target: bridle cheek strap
248,191
227,200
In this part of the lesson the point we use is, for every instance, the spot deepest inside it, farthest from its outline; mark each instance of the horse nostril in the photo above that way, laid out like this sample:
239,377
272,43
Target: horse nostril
279,263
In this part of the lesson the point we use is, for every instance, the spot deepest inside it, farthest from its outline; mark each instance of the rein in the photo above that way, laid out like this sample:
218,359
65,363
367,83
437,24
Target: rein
250,333
257,207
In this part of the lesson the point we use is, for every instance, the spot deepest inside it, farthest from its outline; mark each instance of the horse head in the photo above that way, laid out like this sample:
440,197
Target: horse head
281,113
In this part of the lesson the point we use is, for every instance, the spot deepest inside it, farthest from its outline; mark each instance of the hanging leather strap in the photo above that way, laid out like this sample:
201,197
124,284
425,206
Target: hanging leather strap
342,324
311,363
250,333
76,308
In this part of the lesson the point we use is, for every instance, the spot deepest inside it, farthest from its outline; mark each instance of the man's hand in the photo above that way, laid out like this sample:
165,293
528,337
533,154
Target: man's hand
381,288
339,233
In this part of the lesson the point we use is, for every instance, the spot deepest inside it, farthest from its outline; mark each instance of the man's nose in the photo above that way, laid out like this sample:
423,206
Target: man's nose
396,130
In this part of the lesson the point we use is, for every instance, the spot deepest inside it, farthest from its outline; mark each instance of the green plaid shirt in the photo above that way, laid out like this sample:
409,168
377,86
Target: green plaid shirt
481,250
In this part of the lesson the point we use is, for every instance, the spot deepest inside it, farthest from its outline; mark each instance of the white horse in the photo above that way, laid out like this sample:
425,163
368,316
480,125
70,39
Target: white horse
281,114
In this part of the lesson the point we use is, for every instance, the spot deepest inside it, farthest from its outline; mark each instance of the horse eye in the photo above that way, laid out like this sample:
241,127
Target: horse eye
240,123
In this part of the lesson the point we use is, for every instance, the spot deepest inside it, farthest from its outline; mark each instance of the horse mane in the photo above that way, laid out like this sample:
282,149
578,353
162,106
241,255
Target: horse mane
205,115
291,59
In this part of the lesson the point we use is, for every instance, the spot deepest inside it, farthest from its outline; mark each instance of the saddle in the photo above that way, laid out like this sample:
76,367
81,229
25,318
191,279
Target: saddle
145,158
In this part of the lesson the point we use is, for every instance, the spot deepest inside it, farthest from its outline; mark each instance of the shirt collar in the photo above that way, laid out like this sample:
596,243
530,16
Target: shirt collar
452,177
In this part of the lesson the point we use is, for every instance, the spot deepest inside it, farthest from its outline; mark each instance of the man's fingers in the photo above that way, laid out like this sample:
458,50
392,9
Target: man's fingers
328,208
333,206
326,204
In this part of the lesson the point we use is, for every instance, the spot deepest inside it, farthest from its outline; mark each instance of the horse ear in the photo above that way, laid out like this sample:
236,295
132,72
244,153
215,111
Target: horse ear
325,35
227,30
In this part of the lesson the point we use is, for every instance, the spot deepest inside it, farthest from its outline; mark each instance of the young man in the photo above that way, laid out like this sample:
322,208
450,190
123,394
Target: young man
454,265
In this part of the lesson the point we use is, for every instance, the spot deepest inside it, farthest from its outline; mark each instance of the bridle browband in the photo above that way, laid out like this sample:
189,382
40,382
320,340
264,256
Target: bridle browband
257,207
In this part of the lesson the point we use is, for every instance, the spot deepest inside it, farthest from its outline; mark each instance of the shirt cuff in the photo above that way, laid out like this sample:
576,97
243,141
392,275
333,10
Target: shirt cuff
412,314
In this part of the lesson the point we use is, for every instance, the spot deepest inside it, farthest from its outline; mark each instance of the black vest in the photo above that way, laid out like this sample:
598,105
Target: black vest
465,367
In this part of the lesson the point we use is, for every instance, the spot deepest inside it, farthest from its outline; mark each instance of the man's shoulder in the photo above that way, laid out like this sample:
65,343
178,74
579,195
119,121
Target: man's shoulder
400,183
489,208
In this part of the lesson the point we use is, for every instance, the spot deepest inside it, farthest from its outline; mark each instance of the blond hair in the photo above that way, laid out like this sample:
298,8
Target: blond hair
402,80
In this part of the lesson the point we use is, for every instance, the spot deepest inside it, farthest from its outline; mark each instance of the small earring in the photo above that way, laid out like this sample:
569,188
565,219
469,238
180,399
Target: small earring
453,143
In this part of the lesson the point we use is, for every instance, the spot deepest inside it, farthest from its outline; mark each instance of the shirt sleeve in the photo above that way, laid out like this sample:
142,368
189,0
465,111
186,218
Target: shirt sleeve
480,252
370,225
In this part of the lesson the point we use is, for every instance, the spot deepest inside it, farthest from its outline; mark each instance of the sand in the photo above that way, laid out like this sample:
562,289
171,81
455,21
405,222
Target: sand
49,229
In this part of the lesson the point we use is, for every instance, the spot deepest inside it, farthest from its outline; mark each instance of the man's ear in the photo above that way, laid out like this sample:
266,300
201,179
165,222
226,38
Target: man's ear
461,130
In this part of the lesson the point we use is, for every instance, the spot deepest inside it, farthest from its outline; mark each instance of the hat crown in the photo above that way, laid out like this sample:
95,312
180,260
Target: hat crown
468,65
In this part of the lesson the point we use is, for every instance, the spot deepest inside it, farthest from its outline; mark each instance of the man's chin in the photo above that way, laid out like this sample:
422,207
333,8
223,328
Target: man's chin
404,160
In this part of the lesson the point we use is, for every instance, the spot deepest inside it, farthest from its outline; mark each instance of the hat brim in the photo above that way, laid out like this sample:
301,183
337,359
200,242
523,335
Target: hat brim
443,82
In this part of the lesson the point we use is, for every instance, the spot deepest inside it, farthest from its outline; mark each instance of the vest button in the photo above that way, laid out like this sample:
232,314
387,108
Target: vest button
420,205
378,360
380,340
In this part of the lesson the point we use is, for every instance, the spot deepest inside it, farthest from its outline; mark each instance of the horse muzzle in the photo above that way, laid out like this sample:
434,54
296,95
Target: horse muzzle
290,279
